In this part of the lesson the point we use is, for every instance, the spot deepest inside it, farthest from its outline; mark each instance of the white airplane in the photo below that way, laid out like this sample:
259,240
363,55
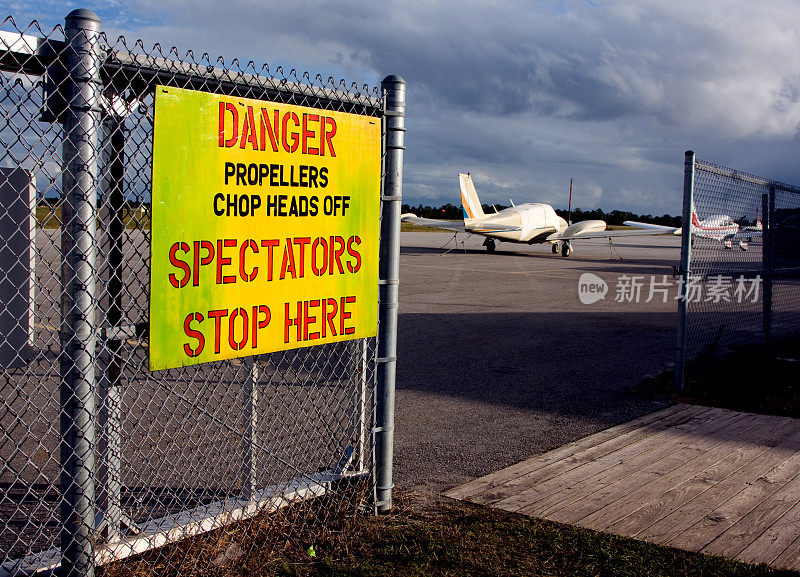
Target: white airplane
529,223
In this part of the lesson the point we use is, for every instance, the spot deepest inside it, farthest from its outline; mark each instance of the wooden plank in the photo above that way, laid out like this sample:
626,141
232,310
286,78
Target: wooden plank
582,482
609,503
589,455
627,469
645,510
760,522
726,483
700,501
685,528
626,492
498,478
550,465
769,545
678,498
790,558
733,497
488,482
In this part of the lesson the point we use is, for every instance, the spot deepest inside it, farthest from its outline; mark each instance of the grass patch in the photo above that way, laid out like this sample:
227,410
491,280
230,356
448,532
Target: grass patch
270,543
408,227
752,379
461,539
458,539
450,538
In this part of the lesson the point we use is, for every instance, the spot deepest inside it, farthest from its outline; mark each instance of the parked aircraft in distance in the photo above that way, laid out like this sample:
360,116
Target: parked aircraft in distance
719,227
529,223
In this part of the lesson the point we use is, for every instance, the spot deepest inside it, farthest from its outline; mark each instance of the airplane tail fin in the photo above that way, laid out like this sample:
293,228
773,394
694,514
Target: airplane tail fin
695,217
469,198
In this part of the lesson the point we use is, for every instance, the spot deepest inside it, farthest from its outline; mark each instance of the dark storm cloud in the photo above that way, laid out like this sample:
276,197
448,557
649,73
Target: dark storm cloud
528,94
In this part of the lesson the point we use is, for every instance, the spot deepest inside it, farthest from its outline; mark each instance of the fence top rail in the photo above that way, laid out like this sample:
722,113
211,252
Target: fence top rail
743,176
27,54
160,70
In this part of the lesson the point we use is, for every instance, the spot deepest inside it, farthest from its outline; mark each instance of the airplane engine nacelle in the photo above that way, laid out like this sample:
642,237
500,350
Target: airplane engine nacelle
585,226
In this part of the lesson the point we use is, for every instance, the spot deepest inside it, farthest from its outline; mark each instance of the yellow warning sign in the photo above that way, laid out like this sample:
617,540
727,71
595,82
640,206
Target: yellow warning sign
265,226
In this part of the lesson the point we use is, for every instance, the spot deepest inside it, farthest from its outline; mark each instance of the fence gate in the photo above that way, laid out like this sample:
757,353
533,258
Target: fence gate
104,461
740,264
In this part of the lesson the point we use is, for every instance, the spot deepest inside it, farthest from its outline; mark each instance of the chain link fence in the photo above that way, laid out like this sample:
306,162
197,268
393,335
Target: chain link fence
740,264
105,463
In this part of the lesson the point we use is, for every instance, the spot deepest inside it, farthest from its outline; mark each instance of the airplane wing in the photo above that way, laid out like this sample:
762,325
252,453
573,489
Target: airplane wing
748,234
647,225
455,226
646,230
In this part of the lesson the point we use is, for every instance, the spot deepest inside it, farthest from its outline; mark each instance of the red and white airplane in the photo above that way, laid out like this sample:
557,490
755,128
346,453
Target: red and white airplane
719,227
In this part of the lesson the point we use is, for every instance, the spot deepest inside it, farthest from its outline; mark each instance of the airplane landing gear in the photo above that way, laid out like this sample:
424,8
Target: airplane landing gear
489,244
566,249
555,248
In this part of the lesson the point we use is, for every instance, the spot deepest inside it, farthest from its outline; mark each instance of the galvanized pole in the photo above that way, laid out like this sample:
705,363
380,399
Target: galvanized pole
109,492
360,440
685,272
250,428
78,336
394,89
768,233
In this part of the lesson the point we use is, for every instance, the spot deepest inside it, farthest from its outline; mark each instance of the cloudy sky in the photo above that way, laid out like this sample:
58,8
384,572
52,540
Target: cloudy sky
526,95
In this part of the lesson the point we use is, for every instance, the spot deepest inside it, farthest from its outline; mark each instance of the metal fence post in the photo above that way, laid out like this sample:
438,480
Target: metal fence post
109,493
78,336
768,233
360,432
250,428
685,270
765,272
394,89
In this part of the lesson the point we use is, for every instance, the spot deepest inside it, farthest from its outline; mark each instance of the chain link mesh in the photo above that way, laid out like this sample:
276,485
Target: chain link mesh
730,264
191,465
785,312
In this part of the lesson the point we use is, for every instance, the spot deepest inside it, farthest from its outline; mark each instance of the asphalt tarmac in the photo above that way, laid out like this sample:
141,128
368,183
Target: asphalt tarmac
499,360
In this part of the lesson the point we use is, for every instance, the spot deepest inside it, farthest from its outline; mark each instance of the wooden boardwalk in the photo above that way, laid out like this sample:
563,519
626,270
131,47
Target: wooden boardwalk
696,478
